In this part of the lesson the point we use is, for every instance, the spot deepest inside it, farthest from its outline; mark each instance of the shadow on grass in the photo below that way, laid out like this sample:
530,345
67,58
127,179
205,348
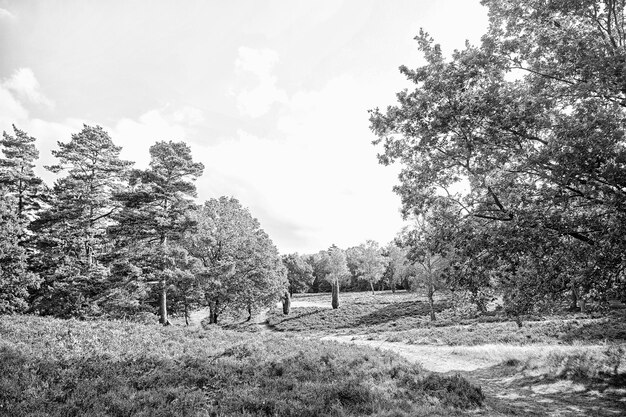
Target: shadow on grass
541,395
613,329
399,311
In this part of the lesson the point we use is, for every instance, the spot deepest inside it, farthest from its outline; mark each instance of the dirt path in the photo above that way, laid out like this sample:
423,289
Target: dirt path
509,391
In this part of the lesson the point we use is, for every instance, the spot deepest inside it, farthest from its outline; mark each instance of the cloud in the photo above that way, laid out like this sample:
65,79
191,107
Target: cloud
25,85
136,136
5,14
315,179
258,99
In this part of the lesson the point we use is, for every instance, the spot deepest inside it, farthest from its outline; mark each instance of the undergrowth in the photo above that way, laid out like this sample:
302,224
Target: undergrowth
59,368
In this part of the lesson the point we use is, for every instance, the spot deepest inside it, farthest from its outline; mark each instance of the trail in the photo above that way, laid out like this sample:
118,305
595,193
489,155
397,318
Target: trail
509,391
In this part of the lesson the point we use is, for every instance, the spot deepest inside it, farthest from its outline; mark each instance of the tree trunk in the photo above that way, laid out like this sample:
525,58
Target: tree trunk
372,287
583,305
431,302
574,305
186,314
286,304
163,305
393,287
335,295
249,313
213,312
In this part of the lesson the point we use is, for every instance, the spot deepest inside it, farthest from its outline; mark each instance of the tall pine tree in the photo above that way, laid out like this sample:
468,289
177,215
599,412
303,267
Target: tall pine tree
72,232
155,216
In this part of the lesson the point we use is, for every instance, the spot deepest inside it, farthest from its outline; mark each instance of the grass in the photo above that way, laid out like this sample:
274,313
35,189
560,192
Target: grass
59,368
404,317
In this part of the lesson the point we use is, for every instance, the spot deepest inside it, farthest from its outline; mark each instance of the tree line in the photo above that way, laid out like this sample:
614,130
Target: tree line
111,240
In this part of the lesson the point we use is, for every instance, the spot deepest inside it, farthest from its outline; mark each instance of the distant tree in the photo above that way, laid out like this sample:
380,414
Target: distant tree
429,256
71,232
156,213
398,267
299,273
15,278
319,264
371,264
337,271
241,266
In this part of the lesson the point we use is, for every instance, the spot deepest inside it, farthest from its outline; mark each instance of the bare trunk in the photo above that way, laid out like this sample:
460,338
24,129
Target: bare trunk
249,313
213,312
186,314
163,305
372,287
431,302
574,304
286,304
335,295
393,287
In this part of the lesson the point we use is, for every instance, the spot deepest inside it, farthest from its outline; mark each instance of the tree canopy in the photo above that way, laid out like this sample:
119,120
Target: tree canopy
523,135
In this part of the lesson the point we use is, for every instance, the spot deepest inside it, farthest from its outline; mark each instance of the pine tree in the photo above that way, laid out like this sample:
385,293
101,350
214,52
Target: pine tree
17,175
15,279
71,234
155,214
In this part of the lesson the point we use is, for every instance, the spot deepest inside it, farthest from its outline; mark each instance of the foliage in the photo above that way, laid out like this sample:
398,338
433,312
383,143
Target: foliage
370,263
17,175
155,215
241,265
15,278
529,126
299,273
71,233
55,367
399,269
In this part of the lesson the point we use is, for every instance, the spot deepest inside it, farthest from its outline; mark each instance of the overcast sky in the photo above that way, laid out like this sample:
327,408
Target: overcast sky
272,96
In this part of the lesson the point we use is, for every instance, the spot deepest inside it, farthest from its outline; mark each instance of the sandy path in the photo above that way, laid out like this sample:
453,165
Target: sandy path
509,391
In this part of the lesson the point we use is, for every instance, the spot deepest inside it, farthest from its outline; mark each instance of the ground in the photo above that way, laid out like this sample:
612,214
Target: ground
376,355
549,367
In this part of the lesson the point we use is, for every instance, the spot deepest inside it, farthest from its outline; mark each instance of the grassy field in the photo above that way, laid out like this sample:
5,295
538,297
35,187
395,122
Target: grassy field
61,368
404,317
376,355
570,364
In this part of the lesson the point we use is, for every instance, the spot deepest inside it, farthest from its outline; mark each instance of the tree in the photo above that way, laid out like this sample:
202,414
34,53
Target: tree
15,278
530,126
241,266
17,175
299,273
398,266
71,233
371,264
429,255
21,193
156,213
337,271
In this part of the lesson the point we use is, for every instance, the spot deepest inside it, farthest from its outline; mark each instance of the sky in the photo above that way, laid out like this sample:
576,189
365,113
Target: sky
272,96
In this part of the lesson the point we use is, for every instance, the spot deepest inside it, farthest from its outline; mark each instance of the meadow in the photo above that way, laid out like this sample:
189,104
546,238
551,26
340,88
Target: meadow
376,355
